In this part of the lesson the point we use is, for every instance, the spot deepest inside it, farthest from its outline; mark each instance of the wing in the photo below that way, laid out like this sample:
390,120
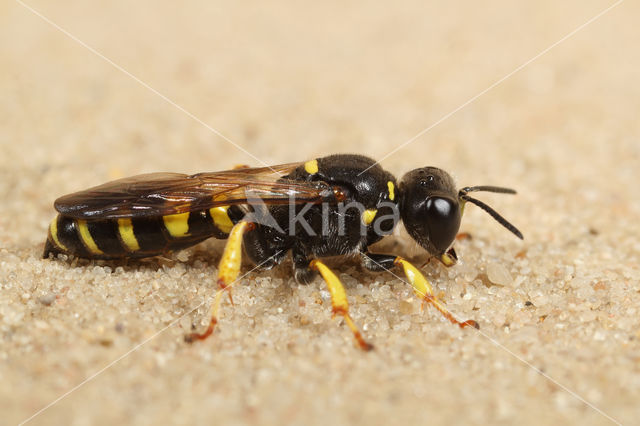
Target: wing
170,193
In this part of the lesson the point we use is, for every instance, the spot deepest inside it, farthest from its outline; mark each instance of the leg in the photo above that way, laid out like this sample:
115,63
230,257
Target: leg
421,287
227,274
464,236
449,258
339,300
377,262
264,247
301,270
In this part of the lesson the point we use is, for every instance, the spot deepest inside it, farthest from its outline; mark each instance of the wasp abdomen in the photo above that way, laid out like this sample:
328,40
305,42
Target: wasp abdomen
136,236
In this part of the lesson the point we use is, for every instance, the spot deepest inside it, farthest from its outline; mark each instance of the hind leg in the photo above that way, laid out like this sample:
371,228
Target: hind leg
228,271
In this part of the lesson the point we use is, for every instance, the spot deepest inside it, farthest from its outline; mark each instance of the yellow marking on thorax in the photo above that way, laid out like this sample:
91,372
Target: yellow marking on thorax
125,229
86,237
392,190
53,230
368,216
177,224
221,218
311,167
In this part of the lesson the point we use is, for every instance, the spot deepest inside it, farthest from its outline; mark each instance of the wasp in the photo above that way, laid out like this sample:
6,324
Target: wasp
336,205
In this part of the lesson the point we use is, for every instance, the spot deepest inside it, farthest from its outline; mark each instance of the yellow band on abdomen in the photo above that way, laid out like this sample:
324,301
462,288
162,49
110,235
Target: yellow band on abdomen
177,224
221,218
125,229
53,230
86,237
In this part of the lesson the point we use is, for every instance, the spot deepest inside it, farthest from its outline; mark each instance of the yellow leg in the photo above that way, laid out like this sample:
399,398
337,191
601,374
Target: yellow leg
228,270
339,300
422,288
448,259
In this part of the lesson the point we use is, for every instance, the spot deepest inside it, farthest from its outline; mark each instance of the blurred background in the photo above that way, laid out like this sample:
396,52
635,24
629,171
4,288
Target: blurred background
144,86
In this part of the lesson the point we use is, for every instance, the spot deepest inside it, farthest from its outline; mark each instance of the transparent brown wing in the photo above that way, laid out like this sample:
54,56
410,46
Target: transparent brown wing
169,193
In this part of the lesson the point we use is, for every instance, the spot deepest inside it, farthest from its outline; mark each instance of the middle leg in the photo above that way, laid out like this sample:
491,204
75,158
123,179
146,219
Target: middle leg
339,300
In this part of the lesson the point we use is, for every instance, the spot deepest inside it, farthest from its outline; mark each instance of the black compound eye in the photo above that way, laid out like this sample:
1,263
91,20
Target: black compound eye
443,221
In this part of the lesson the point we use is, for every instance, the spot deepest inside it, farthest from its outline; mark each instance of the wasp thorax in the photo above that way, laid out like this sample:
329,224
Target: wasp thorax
430,209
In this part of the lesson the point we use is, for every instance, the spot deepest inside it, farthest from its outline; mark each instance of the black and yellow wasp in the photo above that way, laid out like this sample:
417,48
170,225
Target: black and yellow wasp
331,206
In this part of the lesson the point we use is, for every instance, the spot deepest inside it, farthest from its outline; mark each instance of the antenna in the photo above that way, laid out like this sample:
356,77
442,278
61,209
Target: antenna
494,214
488,188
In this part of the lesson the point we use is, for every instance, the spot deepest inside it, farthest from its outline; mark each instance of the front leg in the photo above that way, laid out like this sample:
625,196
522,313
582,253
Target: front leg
383,262
377,262
421,286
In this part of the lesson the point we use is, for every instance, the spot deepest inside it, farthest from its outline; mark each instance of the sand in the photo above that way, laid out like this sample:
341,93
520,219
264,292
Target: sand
102,343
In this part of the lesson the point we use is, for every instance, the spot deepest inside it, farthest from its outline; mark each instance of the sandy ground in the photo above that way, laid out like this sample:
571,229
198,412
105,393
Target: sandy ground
289,82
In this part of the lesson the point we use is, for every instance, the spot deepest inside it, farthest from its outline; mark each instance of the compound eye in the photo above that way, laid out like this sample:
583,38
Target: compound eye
443,220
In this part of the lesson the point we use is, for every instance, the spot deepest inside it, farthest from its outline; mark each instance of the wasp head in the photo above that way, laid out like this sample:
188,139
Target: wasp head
431,208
